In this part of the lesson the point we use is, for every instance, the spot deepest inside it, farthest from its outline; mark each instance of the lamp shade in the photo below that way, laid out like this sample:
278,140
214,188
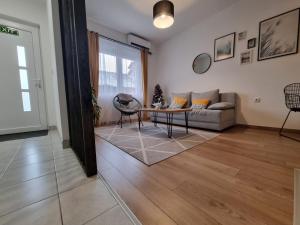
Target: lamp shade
163,14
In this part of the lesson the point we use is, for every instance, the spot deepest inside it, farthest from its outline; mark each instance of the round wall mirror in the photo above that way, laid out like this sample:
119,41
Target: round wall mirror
202,63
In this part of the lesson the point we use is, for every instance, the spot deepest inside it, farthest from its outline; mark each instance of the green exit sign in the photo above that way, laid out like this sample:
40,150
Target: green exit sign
8,30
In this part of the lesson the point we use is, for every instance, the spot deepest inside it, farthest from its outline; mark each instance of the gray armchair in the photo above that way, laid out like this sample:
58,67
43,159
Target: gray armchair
127,105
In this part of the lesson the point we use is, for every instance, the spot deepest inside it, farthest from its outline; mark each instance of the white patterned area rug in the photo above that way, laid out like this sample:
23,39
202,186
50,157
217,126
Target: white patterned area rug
151,144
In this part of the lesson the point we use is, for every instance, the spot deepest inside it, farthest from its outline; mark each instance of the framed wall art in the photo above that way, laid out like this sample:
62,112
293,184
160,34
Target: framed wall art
242,35
279,35
224,47
252,43
246,57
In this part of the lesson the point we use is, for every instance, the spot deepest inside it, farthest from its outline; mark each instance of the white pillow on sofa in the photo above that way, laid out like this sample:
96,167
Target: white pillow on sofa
221,106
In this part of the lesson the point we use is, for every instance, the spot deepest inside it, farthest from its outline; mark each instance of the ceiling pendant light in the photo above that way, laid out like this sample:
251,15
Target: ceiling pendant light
163,14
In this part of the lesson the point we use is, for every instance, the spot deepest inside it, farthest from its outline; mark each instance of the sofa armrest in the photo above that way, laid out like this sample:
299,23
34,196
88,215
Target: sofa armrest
228,97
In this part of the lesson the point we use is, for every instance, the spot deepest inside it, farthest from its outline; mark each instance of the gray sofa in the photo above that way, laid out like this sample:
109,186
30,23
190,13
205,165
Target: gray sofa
211,119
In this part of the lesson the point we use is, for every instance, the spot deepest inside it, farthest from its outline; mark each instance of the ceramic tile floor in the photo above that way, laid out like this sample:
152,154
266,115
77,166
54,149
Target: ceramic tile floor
43,184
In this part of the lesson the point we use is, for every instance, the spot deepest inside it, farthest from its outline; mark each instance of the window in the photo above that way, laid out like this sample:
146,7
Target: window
120,69
120,72
24,79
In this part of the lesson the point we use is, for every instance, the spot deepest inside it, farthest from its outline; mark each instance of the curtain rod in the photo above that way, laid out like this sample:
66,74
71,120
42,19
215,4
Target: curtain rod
122,43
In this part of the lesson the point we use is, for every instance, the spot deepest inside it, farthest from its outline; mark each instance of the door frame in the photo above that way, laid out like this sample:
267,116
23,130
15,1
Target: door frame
34,29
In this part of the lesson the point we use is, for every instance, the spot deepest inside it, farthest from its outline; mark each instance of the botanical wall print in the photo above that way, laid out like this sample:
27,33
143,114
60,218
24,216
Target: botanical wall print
278,36
246,57
252,43
224,47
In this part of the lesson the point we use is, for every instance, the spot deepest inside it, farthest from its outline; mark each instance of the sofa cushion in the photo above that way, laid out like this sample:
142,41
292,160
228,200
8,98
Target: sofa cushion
212,116
212,95
178,102
186,95
221,105
200,103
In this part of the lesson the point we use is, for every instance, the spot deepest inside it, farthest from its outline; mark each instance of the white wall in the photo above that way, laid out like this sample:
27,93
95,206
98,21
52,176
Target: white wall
116,35
35,11
57,69
264,79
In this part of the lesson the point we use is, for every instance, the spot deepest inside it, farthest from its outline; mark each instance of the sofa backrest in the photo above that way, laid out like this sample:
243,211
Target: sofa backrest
224,97
228,97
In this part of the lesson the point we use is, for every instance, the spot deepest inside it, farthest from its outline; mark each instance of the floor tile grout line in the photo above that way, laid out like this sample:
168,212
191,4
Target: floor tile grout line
120,201
59,202
105,211
31,164
15,210
11,160
77,186
35,202
11,185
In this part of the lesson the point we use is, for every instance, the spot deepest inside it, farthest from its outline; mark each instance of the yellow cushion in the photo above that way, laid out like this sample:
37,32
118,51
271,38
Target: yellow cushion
178,102
200,102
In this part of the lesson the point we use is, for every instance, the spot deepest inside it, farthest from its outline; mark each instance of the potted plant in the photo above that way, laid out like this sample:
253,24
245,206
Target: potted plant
96,108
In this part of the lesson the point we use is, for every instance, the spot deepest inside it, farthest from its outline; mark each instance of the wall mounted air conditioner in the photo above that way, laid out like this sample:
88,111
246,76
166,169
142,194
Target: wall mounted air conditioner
138,41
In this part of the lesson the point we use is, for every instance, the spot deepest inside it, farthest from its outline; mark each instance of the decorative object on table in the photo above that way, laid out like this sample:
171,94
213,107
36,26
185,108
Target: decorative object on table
96,107
292,102
151,145
242,35
279,35
157,105
157,96
163,14
127,105
202,63
246,57
251,43
224,47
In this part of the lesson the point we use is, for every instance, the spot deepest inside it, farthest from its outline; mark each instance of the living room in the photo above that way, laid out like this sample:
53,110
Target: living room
123,112
231,62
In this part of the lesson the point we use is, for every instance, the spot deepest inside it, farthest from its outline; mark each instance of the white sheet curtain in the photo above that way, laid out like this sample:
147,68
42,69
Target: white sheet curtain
120,72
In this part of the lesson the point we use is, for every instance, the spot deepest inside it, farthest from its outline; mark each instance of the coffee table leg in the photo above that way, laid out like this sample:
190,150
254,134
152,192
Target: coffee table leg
187,122
167,114
155,118
170,124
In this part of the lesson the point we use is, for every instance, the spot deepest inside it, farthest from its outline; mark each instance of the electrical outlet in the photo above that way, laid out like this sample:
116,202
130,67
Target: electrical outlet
257,100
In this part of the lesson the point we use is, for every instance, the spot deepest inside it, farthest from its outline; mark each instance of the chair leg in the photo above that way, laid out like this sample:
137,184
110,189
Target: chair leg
283,135
121,120
130,119
280,132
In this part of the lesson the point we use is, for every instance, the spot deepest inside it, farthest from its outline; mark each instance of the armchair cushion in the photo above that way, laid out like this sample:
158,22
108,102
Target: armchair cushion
124,99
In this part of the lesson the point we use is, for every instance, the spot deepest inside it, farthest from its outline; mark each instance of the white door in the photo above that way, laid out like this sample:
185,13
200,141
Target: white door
22,104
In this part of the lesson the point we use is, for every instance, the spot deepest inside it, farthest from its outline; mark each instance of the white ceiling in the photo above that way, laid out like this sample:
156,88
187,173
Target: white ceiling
135,16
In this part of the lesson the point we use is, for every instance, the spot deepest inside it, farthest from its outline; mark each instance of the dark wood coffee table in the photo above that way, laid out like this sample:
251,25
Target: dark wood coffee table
169,114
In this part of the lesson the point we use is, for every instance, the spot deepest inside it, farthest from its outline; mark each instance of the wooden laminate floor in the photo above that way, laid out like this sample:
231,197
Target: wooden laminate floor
243,177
